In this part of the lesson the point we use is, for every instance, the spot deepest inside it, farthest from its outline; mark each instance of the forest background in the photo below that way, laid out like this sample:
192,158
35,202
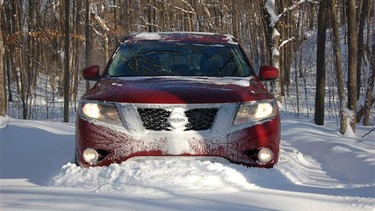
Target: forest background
48,42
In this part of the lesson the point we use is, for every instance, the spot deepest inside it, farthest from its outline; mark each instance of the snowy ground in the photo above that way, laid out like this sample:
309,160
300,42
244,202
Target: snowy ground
318,170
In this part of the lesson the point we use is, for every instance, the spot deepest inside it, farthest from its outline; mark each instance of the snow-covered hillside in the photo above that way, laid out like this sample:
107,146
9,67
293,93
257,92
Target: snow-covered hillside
318,170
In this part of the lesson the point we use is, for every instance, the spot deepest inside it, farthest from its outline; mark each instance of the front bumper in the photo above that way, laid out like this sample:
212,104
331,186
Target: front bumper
239,145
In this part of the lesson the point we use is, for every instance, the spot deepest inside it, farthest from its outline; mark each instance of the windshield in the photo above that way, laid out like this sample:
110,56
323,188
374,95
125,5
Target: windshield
178,59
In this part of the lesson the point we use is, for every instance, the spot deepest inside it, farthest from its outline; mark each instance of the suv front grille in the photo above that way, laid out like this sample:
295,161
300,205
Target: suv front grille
154,118
157,118
200,118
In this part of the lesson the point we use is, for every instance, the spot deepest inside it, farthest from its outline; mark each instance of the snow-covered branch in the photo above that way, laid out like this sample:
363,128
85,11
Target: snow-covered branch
271,9
96,31
286,41
295,5
100,22
270,6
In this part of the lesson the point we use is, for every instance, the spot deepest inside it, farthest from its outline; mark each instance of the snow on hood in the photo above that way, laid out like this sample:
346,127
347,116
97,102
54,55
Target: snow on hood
239,81
178,90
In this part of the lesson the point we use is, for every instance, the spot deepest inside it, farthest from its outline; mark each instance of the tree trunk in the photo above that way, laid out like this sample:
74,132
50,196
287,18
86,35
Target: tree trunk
9,56
2,69
273,38
352,62
76,52
21,57
362,19
67,62
320,64
369,101
339,69
235,20
88,40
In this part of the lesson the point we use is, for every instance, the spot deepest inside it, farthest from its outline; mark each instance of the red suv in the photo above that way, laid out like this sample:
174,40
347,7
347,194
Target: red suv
178,94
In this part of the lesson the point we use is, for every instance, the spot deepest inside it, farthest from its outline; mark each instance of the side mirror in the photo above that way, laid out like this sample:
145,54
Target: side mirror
268,73
91,73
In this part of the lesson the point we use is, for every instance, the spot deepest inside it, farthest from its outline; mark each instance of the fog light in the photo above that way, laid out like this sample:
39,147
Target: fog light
90,155
265,155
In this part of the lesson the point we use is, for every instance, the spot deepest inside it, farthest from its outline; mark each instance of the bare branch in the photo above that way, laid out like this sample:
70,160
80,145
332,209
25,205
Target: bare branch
185,11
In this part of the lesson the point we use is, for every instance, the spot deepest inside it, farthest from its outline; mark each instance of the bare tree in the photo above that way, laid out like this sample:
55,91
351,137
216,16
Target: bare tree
88,39
67,62
320,63
273,37
339,69
363,12
103,34
2,70
278,36
369,100
363,15
8,28
23,80
352,62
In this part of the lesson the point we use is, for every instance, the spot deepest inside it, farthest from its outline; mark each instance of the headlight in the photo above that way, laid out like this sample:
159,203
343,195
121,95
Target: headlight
265,155
255,112
102,112
91,110
90,155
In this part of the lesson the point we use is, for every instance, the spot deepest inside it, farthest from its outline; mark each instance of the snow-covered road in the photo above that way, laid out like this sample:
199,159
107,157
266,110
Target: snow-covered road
318,170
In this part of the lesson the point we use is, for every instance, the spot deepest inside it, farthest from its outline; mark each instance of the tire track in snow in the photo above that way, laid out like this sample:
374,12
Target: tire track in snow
303,170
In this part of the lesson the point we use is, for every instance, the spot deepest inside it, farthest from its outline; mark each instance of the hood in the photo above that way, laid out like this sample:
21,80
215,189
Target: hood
177,90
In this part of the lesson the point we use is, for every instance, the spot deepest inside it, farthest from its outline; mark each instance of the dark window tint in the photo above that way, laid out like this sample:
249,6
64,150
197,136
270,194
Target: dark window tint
178,59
